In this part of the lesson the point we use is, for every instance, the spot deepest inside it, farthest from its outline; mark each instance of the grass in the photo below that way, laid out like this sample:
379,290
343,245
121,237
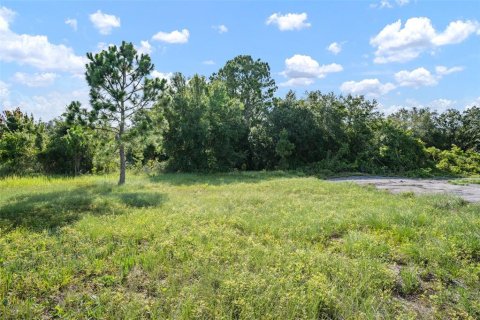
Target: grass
465,181
241,246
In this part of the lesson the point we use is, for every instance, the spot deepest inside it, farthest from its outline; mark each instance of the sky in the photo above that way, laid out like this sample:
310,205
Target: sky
403,53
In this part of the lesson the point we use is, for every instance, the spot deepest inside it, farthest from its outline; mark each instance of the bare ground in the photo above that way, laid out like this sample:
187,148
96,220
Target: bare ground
469,192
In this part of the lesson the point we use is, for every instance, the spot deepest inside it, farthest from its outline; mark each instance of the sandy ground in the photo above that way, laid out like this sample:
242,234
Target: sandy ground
470,192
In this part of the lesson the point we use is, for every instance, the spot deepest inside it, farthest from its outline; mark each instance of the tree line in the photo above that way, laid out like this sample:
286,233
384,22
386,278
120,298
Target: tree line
231,120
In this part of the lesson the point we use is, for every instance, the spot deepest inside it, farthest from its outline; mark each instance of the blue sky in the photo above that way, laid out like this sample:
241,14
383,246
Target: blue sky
400,52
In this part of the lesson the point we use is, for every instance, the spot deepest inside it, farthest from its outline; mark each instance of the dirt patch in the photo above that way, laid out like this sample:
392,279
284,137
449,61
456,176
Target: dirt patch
468,192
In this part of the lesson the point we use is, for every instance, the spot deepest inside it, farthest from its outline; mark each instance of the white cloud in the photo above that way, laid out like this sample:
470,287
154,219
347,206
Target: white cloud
422,77
289,21
334,48
209,62
456,32
367,87
35,80
103,22
441,104
104,46
415,78
389,4
397,44
302,70
297,82
221,28
52,104
442,70
173,37
144,48
161,75
35,50
474,103
390,109
72,23
6,16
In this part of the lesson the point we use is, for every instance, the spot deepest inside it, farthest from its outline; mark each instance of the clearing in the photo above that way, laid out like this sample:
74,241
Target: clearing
239,245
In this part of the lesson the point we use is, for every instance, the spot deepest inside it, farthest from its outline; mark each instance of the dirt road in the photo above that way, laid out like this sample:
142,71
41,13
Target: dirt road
470,192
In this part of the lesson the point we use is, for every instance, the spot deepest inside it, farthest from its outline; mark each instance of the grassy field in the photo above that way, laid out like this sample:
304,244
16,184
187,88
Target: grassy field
241,246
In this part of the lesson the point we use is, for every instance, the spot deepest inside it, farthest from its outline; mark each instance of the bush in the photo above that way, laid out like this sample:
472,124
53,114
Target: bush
397,151
18,153
455,160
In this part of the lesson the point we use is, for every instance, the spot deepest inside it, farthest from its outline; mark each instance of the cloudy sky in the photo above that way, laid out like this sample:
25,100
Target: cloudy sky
400,52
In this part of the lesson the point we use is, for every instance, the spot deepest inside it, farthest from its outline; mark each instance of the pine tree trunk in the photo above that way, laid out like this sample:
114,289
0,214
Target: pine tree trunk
122,165
121,131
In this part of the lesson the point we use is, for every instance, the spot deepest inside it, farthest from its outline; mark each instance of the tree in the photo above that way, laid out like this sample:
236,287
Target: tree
226,128
250,82
396,150
185,139
360,117
284,149
120,91
71,143
422,123
471,128
299,119
204,126
449,125
21,140
78,134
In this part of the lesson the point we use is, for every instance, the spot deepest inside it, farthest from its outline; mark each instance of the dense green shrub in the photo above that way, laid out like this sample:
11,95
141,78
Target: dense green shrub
21,140
455,160
204,126
396,150
70,150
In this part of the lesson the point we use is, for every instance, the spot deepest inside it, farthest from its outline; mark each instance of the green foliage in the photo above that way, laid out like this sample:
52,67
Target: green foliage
421,123
69,150
284,149
185,140
471,128
248,245
204,126
226,129
250,82
456,161
442,130
18,152
21,140
105,158
397,151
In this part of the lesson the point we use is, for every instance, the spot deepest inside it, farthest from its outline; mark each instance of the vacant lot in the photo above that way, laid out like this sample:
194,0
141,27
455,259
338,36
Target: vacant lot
251,245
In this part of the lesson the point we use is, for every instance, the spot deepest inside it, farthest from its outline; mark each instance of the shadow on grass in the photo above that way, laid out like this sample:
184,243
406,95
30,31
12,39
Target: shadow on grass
53,209
142,199
179,179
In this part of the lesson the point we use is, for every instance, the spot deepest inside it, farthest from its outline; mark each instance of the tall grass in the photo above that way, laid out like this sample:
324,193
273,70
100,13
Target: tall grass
242,246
